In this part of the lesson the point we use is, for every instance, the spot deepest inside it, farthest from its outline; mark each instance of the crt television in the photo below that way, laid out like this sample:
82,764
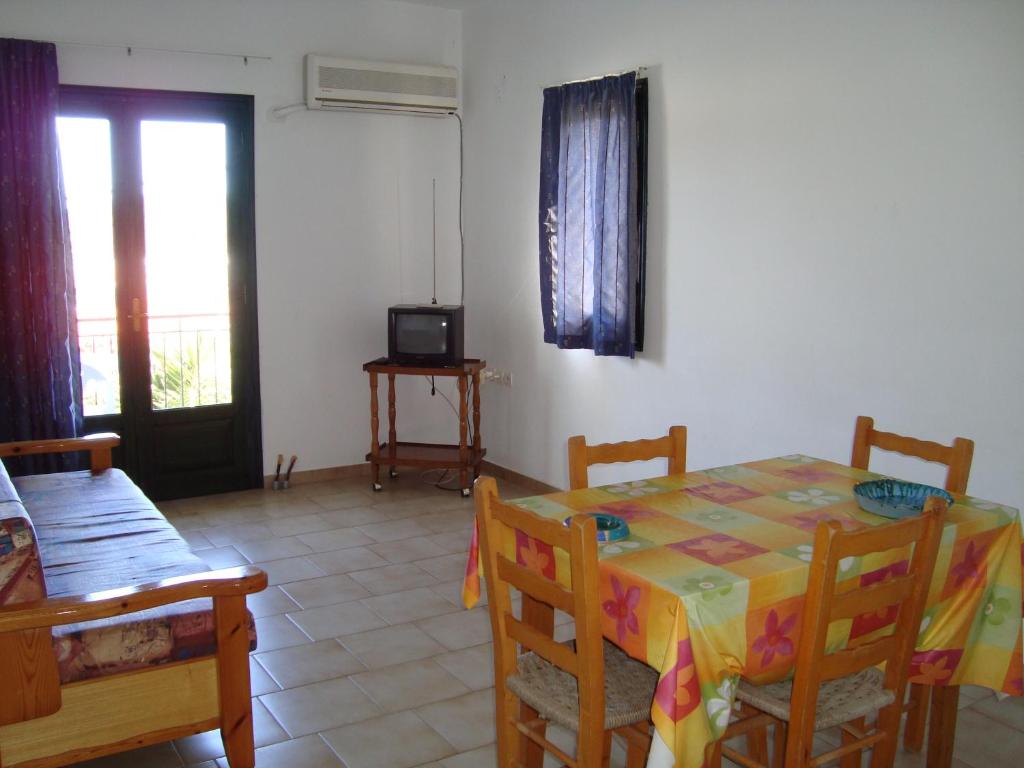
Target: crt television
425,334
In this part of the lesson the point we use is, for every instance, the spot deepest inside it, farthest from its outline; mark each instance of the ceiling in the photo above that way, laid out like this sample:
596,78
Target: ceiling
458,5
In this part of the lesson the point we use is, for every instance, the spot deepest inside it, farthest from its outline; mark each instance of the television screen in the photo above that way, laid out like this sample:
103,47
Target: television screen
421,334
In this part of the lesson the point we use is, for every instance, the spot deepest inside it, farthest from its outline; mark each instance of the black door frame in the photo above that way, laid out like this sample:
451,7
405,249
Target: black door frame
125,108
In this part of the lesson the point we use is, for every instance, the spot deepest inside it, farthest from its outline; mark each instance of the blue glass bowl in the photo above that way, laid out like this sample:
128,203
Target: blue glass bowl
609,527
895,499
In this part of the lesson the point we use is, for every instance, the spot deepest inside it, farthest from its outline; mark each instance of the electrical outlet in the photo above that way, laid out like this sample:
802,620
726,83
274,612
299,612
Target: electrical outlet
503,378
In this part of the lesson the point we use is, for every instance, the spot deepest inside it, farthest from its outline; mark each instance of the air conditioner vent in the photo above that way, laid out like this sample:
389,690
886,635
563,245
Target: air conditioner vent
354,84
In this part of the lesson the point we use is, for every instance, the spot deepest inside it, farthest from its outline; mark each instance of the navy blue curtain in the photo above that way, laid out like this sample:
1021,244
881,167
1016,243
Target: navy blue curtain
40,387
589,232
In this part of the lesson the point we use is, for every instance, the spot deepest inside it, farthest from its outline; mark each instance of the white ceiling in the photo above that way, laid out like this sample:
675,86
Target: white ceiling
458,5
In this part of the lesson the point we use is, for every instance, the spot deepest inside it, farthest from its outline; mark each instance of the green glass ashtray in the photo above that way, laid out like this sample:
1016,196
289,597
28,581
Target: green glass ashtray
609,527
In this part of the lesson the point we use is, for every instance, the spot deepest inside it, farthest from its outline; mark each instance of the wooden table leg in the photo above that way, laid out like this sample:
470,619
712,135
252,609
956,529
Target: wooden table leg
942,725
374,441
392,436
463,437
477,440
542,617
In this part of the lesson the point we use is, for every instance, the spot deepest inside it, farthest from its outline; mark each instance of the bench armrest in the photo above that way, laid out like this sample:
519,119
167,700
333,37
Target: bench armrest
98,445
51,612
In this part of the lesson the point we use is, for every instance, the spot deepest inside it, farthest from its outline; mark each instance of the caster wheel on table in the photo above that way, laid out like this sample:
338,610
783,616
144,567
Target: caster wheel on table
465,493
393,473
378,487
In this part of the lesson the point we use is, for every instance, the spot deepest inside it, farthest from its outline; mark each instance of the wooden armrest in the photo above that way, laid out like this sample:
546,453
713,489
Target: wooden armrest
227,582
98,445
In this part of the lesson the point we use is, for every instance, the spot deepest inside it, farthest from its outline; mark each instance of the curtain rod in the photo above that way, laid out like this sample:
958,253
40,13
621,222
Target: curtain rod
129,48
640,72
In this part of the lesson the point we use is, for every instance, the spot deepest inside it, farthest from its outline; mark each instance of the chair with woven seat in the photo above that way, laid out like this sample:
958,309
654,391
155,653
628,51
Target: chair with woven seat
582,456
957,457
588,686
843,687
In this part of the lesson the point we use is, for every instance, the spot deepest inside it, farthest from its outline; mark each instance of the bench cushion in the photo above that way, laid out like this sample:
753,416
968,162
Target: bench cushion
98,532
21,573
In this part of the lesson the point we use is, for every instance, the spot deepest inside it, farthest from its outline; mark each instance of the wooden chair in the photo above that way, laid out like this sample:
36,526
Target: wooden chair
957,457
590,687
843,687
581,455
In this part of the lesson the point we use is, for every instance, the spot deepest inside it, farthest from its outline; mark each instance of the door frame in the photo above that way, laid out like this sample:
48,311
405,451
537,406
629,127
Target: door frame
127,107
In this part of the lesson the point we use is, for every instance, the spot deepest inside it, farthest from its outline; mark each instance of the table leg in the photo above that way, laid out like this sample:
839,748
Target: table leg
463,437
540,616
477,440
374,441
942,725
392,437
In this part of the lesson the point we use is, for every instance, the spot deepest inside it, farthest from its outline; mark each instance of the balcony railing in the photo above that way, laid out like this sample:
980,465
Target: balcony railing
189,362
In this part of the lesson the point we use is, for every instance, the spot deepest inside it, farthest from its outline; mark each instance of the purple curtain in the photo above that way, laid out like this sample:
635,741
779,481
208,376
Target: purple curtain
589,230
40,384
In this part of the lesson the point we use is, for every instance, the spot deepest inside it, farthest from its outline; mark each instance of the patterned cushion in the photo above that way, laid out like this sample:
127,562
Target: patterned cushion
21,573
99,532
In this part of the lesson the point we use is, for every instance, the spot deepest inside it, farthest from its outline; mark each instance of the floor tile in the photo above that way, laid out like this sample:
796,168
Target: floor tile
336,620
466,722
1009,711
409,685
445,567
259,681
450,521
413,604
289,569
339,538
222,557
269,602
395,530
407,550
310,752
208,745
320,706
393,578
309,663
477,758
458,630
473,666
273,632
345,518
325,590
982,742
291,526
392,645
223,535
196,540
400,740
273,549
347,560
343,500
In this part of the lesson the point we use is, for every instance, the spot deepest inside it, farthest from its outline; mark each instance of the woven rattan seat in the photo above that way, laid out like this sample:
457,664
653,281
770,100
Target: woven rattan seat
839,701
628,689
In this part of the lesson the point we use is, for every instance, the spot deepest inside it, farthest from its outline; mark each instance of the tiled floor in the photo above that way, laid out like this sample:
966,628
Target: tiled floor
366,657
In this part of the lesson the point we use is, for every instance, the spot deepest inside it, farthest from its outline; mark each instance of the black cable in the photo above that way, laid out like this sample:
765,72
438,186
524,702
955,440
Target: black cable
462,236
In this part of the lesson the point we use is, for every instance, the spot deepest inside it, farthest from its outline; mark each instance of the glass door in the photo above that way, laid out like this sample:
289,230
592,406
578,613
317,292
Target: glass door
159,194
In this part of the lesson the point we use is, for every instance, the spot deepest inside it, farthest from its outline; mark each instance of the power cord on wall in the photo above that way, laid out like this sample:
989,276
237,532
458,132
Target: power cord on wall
462,235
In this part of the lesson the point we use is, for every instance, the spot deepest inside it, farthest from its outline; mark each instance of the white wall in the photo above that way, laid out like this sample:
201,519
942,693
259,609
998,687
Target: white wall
343,212
836,228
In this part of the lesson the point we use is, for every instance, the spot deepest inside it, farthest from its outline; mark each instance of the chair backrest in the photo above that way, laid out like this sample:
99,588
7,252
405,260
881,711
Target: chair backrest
534,576
581,455
906,591
957,456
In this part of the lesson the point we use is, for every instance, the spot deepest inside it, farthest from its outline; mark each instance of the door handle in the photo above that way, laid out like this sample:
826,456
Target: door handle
137,314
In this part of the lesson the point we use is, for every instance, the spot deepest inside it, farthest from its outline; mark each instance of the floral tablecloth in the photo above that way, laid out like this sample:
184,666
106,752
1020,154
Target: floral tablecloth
711,581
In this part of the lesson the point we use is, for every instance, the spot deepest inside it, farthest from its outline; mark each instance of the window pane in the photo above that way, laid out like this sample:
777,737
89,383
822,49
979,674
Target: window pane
184,175
85,162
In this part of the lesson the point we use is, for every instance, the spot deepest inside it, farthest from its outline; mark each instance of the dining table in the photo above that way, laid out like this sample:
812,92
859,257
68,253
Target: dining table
709,587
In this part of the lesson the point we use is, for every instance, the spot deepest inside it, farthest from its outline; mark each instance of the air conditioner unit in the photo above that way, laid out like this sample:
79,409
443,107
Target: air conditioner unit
333,83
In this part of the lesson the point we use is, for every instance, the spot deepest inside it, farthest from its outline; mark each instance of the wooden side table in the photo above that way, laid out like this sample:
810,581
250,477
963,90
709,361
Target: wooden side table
465,456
